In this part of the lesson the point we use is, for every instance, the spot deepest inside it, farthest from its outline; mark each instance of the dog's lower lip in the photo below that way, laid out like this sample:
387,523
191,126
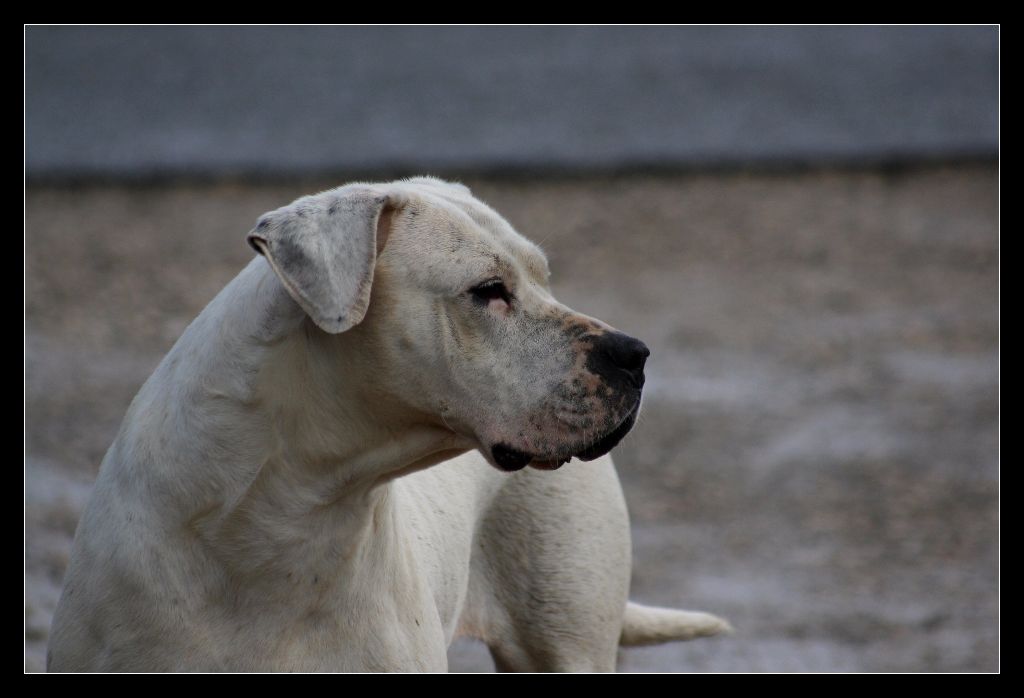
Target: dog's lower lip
549,464
510,459
611,439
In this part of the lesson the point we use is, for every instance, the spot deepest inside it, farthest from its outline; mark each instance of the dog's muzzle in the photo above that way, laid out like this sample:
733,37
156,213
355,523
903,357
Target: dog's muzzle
618,360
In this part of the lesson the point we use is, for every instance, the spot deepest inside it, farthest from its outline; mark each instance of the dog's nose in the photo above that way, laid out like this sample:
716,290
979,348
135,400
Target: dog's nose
615,350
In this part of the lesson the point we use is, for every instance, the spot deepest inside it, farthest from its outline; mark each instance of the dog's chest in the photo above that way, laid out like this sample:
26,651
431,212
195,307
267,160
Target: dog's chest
334,625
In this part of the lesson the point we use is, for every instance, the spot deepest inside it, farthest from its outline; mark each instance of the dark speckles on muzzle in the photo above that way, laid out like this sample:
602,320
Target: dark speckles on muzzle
575,329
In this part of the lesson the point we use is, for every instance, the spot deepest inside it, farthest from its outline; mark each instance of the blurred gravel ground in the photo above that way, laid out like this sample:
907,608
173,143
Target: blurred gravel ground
817,459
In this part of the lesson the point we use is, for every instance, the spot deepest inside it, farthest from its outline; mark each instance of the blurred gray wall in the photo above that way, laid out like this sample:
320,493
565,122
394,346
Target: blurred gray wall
131,102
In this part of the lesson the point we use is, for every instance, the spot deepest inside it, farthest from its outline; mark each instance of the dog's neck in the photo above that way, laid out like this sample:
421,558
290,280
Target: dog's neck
311,471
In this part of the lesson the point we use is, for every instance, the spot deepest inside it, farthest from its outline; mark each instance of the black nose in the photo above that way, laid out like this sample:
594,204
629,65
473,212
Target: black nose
614,353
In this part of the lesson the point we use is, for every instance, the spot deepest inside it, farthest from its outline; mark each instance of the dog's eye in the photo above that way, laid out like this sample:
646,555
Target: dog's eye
491,290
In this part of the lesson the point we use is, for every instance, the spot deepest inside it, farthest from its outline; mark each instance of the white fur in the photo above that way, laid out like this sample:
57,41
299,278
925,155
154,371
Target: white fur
267,503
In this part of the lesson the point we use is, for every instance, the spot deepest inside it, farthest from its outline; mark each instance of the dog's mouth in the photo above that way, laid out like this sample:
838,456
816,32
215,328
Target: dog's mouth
510,459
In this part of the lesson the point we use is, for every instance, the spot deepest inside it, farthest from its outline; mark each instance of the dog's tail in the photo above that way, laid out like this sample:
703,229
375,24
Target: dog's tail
649,625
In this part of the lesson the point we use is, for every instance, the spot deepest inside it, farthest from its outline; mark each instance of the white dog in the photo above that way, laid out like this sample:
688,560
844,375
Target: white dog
318,475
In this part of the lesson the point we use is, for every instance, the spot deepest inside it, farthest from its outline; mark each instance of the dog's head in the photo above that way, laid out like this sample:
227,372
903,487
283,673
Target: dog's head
458,321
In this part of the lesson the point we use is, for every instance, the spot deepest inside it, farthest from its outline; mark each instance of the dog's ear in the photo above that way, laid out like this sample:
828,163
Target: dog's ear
324,249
